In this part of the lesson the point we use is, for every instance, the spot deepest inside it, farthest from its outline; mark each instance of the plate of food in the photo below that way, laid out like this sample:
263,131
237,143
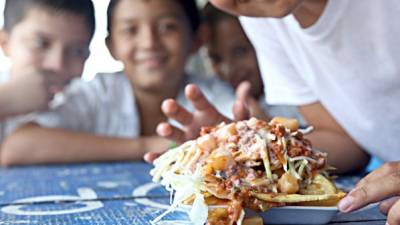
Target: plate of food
249,172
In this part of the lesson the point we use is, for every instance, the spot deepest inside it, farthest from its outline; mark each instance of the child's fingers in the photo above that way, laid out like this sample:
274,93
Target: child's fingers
166,130
174,111
240,111
385,206
243,91
151,156
197,98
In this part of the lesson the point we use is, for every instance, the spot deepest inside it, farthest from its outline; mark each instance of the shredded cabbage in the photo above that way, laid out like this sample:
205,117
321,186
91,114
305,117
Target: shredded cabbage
199,212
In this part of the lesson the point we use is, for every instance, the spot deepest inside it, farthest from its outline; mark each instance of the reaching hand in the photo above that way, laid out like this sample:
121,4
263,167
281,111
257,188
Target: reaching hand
246,106
205,114
379,185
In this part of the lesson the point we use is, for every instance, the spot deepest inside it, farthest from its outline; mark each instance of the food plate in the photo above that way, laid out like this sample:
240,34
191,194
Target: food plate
297,215
289,214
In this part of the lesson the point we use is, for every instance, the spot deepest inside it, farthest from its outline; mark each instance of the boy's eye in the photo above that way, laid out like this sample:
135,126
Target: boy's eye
40,43
81,52
130,30
167,26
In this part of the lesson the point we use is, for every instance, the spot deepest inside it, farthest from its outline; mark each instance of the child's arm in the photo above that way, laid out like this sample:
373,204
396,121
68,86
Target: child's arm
344,153
32,144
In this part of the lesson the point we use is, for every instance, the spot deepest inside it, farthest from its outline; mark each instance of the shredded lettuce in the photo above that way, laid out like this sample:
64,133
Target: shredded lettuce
199,212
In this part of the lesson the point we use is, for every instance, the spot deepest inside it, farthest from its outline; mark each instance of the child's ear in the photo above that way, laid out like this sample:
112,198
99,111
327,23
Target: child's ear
4,37
110,46
201,37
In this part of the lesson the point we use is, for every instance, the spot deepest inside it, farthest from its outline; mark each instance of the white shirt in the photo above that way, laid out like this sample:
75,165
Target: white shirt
106,105
349,60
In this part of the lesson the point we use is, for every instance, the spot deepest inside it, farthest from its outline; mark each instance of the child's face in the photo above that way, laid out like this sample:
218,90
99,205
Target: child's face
232,56
48,42
153,40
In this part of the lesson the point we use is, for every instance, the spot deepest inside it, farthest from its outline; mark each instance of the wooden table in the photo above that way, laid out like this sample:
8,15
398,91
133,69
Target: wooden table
111,193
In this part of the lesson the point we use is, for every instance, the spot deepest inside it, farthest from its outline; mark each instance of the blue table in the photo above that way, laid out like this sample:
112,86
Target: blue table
110,193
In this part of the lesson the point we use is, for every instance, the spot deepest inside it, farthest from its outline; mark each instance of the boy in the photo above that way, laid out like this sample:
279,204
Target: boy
114,117
47,42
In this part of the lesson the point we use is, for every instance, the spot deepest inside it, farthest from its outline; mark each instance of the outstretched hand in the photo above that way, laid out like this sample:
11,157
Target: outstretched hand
380,185
205,114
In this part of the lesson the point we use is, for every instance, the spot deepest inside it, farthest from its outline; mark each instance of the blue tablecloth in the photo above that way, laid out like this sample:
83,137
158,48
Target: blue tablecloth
108,193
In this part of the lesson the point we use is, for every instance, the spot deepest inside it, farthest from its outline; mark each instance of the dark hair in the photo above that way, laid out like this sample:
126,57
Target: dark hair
16,10
189,7
213,15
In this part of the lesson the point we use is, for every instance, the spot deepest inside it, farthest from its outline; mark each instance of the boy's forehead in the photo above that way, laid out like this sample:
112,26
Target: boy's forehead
148,9
61,24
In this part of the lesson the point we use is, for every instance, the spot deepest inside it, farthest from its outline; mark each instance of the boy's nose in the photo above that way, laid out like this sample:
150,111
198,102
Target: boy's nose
55,61
149,38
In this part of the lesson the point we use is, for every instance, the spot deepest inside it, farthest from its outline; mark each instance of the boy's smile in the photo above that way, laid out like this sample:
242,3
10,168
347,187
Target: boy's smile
153,40
151,61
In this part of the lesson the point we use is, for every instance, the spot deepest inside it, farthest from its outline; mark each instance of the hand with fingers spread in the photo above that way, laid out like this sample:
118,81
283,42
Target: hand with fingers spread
383,185
205,114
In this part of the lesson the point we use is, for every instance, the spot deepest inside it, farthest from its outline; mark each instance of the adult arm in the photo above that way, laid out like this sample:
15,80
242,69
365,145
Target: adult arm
343,152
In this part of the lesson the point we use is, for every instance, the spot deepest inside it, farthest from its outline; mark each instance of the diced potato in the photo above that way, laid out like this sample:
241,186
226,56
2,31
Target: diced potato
207,142
252,122
291,124
226,131
288,184
220,162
